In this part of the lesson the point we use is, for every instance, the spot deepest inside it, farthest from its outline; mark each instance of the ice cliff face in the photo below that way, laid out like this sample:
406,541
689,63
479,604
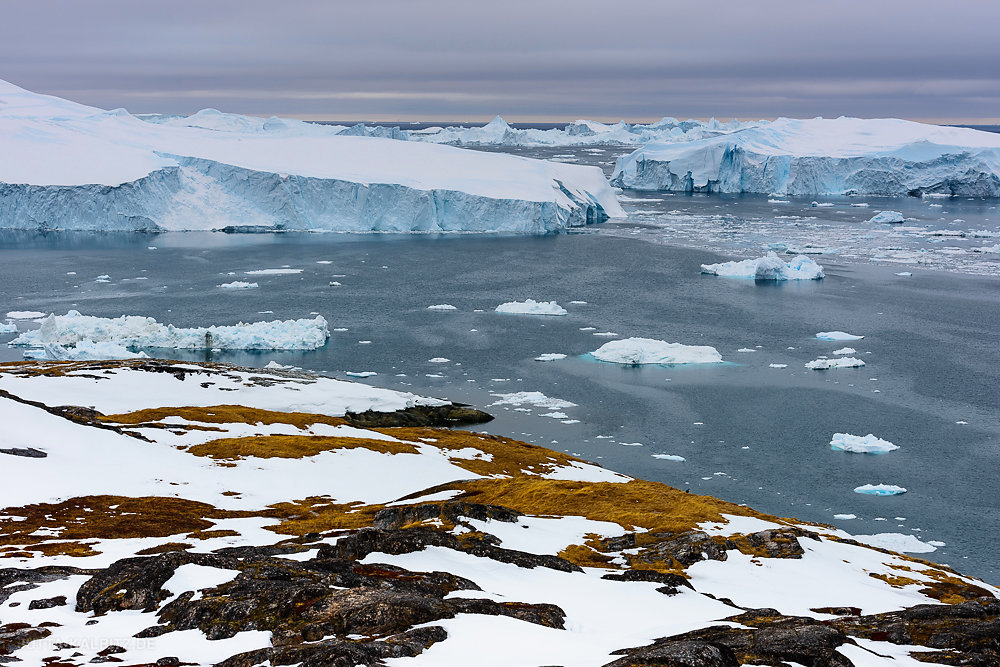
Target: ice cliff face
68,166
823,156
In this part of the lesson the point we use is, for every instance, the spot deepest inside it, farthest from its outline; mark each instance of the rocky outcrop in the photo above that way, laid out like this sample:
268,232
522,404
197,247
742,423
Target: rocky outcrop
453,414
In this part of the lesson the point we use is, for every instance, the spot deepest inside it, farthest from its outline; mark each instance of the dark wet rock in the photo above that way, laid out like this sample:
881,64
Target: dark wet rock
28,452
373,540
670,583
13,580
343,653
453,414
392,518
549,615
679,654
15,635
620,543
48,603
779,543
686,548
136,583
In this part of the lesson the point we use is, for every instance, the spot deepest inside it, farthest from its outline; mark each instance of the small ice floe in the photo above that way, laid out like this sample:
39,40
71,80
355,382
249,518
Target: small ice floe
588,328
845,517
360,374
880,489
746,349
438,360
239,284
901,542
284,271
605,334
861,444
768,267
364,342
104,278
534,398
825,204
578,303
845,350
442,306
860,204
625,444
7,328
669,457
777,365
837,336
556,415
840,362
636,351
324,261
335,283
988,248
531,307
24,315
891,217
779,201
550,356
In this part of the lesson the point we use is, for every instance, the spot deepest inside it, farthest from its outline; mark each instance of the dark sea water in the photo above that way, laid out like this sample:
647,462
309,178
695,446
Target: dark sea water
749,433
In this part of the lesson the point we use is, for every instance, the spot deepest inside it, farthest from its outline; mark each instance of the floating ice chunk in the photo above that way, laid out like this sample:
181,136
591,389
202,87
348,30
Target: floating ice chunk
845,350
24,315
7,328
360,374
135,331
768,267
626,444
605,334
556,415
891,217
636,351
239,284
272,272
746,349
550,356
105,278
777,365
841,362
84,350
825,204
438,360
669,457
531,307
579,303
866,444
442,306
936,543
988,248
845,517
275,365
837,336
535,398
880,489
901,542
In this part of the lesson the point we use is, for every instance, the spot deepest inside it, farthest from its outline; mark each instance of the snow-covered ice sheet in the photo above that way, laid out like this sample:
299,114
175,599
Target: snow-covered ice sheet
60,158
883,156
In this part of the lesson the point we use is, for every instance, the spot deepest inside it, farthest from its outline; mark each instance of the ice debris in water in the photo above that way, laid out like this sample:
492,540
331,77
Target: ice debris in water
7,328
442,306
768,267
636,351
840,362
845,517
861,444
669,457
531,307
892,217
239,284
845,350
837,335
134,331
550,356
535,398
24,315
897,542
880,489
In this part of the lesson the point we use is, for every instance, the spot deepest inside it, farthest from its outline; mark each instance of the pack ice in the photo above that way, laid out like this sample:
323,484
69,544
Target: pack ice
884,156
71,166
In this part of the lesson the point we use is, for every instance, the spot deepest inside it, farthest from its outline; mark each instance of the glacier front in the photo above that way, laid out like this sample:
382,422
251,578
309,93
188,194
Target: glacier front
842,156
70,166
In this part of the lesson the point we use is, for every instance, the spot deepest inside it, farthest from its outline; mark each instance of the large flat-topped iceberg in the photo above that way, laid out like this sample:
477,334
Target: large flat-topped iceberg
69,166
823,156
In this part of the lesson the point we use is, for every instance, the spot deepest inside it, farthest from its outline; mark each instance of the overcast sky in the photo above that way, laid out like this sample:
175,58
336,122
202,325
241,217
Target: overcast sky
541,60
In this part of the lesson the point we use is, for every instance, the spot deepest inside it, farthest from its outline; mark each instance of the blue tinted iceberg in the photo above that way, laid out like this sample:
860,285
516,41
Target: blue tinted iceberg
884,156
768,267
880,489
861,444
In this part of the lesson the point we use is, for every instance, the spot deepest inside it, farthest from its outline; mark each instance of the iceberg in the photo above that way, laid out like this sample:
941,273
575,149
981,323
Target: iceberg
880,489
768,267
550,356
239,284
840,362
531,307
7,328
845,350
70,166
669,457
861,444
837,336
843,156
891,217
84,350
442,306
25,315
636,351
533,398
72,330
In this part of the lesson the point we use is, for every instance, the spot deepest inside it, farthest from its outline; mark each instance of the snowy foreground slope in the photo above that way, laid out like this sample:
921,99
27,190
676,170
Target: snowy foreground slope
205,514
69,166
823,156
